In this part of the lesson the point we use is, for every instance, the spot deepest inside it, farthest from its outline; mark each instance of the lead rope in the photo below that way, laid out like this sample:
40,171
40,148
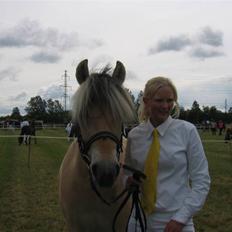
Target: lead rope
133,191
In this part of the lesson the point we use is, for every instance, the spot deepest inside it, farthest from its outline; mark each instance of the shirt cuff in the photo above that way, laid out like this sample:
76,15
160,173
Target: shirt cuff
182,215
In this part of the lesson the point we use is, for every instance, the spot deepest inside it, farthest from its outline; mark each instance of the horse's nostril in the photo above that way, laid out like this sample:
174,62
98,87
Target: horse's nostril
105,173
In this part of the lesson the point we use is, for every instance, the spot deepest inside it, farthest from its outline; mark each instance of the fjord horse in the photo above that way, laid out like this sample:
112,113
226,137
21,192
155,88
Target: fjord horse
90,174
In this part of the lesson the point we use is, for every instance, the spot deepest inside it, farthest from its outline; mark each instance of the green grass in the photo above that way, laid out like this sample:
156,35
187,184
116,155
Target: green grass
216,215
29,196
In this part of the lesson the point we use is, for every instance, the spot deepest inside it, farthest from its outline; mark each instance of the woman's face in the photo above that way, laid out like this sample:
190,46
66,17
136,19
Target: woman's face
160,105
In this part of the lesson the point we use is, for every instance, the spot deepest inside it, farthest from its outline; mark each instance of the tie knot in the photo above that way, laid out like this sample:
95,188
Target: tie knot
155,133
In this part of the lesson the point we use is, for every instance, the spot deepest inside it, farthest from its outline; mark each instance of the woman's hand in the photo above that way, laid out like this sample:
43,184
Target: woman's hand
174,226
132,183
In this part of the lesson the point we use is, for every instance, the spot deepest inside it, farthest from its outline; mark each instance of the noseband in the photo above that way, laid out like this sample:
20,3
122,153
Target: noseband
84,146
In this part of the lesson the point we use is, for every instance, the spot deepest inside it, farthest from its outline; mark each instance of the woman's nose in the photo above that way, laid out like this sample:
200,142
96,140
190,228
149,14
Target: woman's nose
165,104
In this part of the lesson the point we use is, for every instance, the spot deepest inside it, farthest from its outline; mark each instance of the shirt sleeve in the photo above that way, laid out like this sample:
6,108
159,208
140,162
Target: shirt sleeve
199,179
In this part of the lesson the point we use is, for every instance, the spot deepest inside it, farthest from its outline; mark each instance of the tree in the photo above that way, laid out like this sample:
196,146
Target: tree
131,95
195,115
36,108
213,112
138,100
183,113
16,113
206,113
55,111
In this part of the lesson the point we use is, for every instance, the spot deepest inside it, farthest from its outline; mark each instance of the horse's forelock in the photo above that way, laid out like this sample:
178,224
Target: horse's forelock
102,92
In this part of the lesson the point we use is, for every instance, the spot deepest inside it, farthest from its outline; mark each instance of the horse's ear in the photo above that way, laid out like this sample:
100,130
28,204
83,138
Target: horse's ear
119,72
82,71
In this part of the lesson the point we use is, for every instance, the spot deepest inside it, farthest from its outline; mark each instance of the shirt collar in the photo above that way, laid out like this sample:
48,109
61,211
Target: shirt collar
162,128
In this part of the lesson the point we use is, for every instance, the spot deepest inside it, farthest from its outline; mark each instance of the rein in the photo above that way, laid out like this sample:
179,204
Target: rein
134,191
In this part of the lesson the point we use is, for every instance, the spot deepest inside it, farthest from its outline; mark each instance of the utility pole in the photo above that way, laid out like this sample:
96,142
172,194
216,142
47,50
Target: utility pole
65,86
225,105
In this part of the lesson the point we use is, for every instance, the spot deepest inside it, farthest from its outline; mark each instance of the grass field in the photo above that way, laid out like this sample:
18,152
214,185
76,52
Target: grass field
29,198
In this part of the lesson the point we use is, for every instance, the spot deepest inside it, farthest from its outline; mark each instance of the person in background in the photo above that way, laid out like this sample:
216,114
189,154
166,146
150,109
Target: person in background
228,133
68,130
214,128
24,123
221,126
177,180
24,136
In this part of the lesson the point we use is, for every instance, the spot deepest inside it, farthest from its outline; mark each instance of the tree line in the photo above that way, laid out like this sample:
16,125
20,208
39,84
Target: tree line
52,111
49,111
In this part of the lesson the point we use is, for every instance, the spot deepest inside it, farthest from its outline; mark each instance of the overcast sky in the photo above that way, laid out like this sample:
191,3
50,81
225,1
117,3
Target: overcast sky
187,41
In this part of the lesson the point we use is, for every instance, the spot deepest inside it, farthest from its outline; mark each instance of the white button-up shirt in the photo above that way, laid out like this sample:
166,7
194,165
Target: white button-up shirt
182,163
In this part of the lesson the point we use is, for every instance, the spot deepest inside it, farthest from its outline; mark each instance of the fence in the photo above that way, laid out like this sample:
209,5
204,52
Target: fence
229,143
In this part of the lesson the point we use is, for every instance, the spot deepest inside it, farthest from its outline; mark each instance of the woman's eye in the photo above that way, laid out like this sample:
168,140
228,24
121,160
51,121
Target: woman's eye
164,100
159,100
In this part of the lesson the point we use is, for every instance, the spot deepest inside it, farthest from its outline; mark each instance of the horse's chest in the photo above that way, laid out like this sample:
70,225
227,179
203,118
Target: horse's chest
93,218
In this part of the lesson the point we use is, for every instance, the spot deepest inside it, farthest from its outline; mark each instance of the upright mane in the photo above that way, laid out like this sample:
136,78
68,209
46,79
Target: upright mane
102,91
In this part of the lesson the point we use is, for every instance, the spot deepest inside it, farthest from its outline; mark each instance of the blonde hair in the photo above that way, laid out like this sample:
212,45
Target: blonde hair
151,87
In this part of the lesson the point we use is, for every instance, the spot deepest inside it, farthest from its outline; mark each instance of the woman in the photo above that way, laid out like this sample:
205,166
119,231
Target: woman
182,181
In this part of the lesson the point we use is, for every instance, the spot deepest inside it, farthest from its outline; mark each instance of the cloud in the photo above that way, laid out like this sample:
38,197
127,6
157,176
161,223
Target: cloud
53,92
30,33
130,75
5,110
203,52
49,41
92,44
56,92
171,44
206,43
210,37
9,73
45,57
20,97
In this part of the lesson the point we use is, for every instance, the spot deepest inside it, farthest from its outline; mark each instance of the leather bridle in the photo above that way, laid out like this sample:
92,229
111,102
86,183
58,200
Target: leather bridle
84,146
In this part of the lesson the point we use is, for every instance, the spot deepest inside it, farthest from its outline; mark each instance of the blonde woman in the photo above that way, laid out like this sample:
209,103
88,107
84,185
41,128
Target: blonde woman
182,179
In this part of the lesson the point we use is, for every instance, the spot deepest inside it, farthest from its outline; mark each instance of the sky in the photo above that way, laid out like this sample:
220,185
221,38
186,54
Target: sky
188,41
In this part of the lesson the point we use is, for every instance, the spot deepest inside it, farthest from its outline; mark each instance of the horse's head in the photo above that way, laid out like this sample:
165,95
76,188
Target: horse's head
100,107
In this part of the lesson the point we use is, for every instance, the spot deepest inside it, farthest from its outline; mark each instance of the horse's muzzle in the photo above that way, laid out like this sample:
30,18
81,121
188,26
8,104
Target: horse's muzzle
105,173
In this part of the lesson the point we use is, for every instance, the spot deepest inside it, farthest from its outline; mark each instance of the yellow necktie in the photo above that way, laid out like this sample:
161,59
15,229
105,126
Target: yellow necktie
149,186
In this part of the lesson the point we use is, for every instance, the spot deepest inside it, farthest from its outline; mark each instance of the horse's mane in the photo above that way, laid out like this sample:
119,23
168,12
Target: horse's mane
103,93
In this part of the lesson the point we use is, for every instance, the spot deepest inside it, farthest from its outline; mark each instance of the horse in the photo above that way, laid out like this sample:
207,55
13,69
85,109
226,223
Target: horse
27,130
90,177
